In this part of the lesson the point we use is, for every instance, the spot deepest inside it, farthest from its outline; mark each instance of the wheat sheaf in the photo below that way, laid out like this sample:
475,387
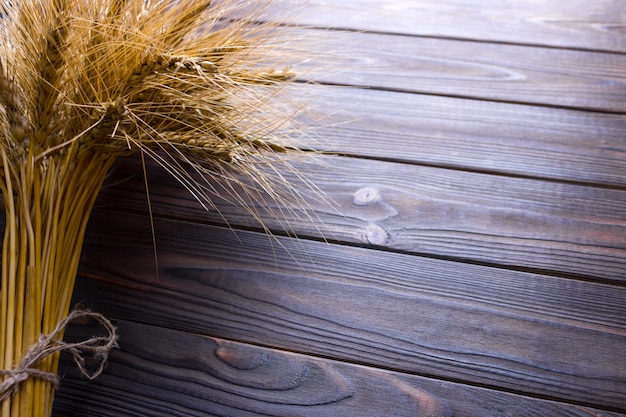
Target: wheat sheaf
84,82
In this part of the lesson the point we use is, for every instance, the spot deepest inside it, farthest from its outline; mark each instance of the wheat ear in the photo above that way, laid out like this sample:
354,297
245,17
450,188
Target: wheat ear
83,82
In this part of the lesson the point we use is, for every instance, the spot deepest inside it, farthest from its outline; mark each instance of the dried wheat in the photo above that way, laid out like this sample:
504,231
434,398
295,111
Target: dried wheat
83,82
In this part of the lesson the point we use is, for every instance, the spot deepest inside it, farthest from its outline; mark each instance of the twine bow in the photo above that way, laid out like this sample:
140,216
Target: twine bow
98,347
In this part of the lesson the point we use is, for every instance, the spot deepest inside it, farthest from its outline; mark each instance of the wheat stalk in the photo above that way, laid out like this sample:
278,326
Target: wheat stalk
83,82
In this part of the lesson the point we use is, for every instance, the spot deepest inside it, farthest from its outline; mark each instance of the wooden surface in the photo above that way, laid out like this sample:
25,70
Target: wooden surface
472,261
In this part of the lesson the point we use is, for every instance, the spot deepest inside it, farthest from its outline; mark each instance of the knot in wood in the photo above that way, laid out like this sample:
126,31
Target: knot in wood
375,235
365,196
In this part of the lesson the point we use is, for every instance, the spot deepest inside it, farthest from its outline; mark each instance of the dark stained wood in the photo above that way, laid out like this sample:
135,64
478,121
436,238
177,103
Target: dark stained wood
509,73
212,377
468,134
581,24
476,229
563,228
460,322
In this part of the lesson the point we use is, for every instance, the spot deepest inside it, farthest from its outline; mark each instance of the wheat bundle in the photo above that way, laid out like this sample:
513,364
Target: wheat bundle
83,82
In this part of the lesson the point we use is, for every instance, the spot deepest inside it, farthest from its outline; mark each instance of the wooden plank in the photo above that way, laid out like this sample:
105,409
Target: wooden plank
468,134
544,336
161,372
575,24
517,222
508,73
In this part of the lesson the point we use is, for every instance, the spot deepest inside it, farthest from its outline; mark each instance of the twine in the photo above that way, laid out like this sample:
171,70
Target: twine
97,347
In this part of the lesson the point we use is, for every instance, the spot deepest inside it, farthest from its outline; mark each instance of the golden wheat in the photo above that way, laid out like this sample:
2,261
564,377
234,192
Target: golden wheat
83,82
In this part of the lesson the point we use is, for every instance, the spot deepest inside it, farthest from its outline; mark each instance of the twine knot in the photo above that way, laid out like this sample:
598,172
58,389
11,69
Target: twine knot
97,347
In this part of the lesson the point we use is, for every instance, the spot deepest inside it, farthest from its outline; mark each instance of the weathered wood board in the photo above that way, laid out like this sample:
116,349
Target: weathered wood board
484,71
597,26
479,217
170,373
482,325
464,253
468,135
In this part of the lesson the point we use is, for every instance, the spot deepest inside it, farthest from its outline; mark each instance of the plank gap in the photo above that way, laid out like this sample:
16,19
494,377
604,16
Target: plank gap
457,260
148,392
382,367
480,326
429,213
281,233
347,29
464,168
579,26
461,96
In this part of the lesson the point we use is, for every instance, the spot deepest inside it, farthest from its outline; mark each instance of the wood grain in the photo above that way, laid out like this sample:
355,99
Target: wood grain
527,333
521,223
486,71
576,24
477,234
467,134
213,377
